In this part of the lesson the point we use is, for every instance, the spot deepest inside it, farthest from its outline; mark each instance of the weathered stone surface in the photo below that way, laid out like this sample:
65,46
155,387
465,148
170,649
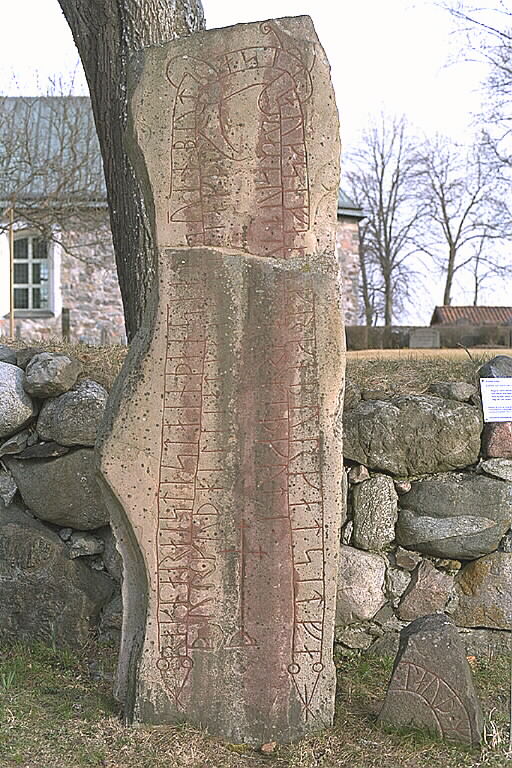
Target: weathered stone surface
111,556
375,506
358,474
63,491
497,368
7,354
455,515
497,440
397,582
16,407
45,596
24,356
375,394
222,460
42,451
484,590
485,643
431,686
506,542
8,487
402,486
16,443
112,619
74,417
406,559
501,468
49,375
427,593
83,545
352,395
412,434
453,390
354,637
360,585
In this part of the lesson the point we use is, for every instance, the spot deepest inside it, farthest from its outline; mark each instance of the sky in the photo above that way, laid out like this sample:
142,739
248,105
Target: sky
396,56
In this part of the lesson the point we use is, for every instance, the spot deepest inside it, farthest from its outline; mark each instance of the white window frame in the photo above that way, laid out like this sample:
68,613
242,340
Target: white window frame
30,285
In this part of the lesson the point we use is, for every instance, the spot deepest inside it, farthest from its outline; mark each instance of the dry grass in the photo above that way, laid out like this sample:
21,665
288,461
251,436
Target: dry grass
99,363
399,371
53,715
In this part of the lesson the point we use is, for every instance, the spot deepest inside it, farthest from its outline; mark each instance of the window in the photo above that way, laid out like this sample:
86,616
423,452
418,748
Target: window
31,273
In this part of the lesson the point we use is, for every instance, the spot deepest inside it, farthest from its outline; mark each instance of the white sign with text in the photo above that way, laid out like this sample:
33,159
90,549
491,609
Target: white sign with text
497,399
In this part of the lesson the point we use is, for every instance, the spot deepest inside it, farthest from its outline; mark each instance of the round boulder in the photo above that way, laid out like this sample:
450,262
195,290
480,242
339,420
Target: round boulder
412,435
74,417
63,490
49,375
456,515
484,590
360,586
16,407
45,596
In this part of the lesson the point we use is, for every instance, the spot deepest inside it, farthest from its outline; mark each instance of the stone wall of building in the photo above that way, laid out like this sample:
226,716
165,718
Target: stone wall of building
347,252
84,283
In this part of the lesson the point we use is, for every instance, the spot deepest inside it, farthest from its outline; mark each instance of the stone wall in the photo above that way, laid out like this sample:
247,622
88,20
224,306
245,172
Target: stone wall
347,252
428,512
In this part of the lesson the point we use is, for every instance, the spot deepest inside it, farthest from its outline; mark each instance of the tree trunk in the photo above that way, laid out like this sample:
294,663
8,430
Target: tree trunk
450,271
106,33
388,300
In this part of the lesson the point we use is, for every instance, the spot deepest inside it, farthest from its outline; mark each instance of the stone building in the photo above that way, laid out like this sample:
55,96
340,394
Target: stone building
347,252
65,280
51,177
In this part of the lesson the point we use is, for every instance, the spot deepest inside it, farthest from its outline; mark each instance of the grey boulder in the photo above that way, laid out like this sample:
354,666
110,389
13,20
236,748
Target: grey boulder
484,591
499,367
7,354
412,434
431,686
16,406
74,417
45,596
501,468
427,593
455,515
49,375
375,507
63,491
454,390
360,586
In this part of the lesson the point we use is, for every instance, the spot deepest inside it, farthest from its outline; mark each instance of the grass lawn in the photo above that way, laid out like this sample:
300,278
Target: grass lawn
57,711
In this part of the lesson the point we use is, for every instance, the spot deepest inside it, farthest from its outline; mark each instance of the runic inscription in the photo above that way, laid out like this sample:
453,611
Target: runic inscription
449,713
281,516
222,460
212,159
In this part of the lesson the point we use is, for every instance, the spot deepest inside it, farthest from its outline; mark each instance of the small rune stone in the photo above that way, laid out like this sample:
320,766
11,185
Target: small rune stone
431,687
49,375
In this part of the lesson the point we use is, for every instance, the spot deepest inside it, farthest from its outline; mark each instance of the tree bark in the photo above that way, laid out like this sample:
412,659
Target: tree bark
107,33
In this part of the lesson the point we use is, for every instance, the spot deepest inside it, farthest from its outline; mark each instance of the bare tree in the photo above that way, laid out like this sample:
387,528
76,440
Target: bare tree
50,166
380,175
465,218
107,33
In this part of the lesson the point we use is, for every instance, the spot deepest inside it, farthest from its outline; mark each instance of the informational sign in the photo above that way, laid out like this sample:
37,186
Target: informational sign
497,399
